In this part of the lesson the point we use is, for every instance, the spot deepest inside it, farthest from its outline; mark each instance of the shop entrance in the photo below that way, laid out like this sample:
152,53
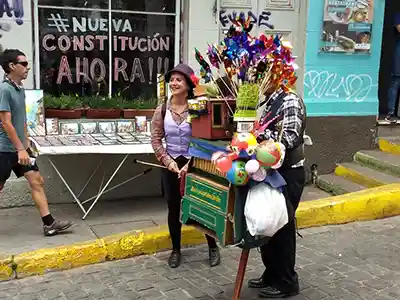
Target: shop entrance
388,43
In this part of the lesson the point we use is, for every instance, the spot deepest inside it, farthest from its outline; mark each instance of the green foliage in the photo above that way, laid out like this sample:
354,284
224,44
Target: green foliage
98,102
63,102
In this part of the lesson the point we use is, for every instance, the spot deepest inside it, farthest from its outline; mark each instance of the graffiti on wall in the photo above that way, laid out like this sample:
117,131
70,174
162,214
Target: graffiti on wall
330,85
10,9
260,20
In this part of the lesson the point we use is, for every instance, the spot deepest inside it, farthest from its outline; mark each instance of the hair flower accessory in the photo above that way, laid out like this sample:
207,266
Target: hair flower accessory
194,79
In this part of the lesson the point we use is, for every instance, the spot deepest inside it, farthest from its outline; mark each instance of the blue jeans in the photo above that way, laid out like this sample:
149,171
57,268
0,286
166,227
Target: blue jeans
393,93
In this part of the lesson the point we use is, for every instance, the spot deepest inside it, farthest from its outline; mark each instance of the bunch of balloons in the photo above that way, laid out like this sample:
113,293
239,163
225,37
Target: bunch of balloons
247,159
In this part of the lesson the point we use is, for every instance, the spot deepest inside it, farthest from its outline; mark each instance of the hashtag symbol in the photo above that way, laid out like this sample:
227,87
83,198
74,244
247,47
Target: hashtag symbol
58,22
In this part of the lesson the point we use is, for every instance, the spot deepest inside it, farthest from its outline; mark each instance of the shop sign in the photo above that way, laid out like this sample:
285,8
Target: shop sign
347,26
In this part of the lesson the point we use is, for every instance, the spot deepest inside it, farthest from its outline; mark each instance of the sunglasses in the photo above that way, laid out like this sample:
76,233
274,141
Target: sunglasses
22,63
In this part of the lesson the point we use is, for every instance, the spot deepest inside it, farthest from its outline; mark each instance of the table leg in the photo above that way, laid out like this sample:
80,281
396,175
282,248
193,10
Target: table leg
244,257
105,187
67,185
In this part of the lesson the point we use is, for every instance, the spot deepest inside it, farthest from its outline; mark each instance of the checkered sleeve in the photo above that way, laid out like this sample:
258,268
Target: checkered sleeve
292,114
157,135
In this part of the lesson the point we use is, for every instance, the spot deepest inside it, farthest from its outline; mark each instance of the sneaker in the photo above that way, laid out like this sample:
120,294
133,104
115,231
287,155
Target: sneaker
391,119
56,227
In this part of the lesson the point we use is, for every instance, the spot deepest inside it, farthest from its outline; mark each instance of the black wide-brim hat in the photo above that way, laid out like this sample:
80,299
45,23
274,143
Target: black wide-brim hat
186,71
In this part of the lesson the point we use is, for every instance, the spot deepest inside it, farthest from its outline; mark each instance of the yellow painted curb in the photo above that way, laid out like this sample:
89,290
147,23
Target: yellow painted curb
6,271
387,146
61,258
357,177
147,242
370,204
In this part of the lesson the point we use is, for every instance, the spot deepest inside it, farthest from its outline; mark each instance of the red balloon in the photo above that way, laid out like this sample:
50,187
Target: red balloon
242,145
224,164
233,156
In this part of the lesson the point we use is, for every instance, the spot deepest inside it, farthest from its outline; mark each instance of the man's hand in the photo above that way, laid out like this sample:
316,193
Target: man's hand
23,158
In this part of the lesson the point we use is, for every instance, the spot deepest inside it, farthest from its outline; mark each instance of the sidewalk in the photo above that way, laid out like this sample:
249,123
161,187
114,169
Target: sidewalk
349,262
21,228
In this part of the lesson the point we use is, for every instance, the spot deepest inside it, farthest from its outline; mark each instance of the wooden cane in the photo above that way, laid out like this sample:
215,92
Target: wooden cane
244,257
148,164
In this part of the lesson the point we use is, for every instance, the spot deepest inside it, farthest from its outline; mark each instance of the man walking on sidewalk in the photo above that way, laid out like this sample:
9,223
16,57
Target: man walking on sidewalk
14,144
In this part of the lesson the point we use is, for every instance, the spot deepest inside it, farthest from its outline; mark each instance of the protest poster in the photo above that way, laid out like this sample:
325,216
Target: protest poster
76,46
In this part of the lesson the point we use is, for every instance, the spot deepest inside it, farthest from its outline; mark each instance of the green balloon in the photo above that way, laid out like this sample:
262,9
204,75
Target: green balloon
237,175
264,157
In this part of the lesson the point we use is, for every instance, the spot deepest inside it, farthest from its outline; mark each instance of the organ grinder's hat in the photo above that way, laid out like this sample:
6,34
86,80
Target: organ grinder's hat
186,71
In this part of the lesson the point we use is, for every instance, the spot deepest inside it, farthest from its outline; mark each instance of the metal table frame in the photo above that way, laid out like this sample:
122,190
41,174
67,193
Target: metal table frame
103,189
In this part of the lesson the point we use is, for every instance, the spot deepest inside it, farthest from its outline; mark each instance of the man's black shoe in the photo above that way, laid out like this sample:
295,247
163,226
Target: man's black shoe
273,293
214,257
257,283
174,260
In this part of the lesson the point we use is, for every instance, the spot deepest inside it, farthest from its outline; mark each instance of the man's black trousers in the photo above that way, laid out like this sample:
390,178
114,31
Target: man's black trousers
279,255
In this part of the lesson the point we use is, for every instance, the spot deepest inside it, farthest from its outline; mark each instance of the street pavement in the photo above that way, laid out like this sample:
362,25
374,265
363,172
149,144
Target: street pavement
353,261
21,227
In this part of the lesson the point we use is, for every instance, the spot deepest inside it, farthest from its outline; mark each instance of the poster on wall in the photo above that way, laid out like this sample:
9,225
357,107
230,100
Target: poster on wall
35,112
347,26
75,51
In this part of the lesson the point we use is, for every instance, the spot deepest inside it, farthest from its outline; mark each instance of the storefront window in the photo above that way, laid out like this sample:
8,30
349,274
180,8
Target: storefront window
89,4
157,6
75,48
139,55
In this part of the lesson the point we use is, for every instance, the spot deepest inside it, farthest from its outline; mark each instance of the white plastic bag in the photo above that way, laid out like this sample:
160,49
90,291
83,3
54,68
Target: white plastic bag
265,210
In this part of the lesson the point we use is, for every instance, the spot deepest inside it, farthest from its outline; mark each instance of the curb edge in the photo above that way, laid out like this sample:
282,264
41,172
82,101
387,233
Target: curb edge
369,204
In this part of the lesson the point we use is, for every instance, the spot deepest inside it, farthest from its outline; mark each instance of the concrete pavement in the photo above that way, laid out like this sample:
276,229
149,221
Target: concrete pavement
352,261
21,228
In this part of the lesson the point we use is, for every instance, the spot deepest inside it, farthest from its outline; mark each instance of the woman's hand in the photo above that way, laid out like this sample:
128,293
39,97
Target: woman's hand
173,167
183,171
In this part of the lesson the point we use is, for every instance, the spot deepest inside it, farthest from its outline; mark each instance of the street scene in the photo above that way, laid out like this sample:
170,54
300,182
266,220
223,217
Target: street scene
353,261
186,149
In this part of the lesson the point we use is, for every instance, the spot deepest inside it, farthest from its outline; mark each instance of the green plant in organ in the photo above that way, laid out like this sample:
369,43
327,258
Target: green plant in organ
212,90
247,100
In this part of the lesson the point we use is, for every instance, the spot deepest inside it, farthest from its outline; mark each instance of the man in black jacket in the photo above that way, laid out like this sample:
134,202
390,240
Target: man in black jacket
279,279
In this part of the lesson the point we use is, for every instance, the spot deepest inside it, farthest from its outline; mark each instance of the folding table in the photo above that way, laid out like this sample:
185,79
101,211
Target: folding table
126,150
